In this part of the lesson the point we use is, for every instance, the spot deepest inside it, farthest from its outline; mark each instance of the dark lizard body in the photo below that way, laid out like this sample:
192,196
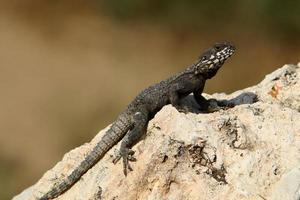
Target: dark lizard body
132,123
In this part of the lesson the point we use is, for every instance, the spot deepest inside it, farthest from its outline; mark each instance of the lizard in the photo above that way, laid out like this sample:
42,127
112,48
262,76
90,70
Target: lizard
132,123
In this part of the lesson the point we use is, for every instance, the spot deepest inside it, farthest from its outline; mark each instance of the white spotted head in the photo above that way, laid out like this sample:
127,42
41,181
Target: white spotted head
212,59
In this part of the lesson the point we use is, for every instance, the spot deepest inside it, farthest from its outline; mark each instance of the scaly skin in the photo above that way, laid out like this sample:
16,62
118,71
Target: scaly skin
132,123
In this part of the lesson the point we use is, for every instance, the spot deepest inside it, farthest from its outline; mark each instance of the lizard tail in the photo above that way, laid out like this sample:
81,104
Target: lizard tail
116,132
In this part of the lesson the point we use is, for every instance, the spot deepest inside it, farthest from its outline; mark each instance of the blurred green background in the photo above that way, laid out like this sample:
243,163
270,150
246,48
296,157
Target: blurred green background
67,68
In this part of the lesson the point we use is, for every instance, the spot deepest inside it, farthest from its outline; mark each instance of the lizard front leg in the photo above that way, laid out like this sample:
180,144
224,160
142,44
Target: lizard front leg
201,100
210,105
175,98
140,122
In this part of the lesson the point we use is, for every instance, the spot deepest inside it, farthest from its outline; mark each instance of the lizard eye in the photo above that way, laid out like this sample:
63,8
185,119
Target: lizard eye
218,48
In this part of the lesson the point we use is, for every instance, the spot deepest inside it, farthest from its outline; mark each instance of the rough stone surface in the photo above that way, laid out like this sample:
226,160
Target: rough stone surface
250,151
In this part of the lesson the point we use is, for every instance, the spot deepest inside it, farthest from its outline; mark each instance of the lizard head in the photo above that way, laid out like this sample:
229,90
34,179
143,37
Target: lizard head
212,59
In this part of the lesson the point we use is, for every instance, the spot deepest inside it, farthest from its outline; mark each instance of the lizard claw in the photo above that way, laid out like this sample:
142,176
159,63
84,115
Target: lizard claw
117,158
210,106
127,155
215,105
182,109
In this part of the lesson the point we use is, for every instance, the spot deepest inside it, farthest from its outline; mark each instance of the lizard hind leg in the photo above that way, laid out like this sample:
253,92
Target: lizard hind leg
140,122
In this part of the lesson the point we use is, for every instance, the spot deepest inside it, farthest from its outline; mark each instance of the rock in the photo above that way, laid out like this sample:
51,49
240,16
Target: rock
289,186
250,151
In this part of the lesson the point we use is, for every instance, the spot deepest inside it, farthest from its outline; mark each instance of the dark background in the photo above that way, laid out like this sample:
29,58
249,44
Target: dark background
67,68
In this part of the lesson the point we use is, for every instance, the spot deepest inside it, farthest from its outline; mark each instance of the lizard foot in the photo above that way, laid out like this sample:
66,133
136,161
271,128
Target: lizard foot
215,105
212,105
127,155
182,109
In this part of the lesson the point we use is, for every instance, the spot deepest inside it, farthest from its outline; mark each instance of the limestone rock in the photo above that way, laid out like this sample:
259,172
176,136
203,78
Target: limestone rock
250,151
